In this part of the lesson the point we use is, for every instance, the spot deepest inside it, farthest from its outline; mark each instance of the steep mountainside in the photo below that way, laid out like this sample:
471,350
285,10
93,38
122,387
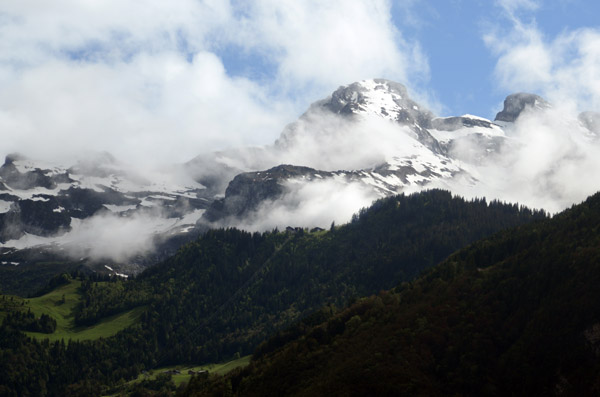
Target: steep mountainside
515,314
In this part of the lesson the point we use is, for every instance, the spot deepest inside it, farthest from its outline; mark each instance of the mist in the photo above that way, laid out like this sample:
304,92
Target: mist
112,237
552,160
327,141
308,205
107,237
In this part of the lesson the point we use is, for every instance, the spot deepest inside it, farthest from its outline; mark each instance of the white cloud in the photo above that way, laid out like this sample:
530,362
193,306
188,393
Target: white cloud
553,160
512,6
104,30
550,161
317,203
327,141
158,107
321,44
113,237
565,69
145,81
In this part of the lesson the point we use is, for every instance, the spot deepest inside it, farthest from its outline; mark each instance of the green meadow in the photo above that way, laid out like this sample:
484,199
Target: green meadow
61,304
184,375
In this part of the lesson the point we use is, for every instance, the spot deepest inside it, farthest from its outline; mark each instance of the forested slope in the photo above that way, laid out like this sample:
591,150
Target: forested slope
515,314
229,290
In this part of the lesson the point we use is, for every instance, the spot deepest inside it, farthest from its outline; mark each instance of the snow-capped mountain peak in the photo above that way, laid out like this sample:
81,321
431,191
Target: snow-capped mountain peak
381,98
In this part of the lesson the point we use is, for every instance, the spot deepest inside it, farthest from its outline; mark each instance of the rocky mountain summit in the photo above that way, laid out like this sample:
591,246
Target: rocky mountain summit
515,104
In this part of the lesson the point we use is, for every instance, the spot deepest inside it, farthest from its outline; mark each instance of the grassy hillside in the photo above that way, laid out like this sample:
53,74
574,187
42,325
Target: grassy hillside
516,314
61,305
183,375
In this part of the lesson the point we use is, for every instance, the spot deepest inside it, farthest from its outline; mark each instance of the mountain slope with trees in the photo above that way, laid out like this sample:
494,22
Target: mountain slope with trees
515,314
229,290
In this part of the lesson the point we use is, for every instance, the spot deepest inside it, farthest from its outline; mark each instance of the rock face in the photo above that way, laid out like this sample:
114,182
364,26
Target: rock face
515,104
33,217
41,203
456,123
29,179
381,97
248,190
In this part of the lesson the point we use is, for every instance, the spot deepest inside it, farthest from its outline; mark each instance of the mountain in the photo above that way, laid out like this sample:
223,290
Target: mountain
515,104
371,135
75,209
514,314
366,141
227,291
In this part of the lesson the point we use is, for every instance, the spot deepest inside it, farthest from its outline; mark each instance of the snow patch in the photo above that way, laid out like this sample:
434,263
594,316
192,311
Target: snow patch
4,206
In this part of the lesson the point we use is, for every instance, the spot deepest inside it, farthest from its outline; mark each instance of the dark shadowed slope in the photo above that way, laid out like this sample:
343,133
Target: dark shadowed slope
516,314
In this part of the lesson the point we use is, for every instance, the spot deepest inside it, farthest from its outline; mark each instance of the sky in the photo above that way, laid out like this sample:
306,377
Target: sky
157,82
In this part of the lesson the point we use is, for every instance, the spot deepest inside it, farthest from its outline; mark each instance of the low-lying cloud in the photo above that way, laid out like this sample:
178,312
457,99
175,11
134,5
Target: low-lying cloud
327,141
549,161
313,204
112,237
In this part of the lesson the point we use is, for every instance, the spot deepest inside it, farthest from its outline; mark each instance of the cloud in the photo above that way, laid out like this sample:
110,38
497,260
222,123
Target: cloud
109,236
512,7
104,31
315,43
551,160
317,203
327,141
565,69
152,82
158,107
104,236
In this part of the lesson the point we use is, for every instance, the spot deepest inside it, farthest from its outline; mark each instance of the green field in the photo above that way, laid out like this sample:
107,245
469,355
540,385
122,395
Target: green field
61,303
184,376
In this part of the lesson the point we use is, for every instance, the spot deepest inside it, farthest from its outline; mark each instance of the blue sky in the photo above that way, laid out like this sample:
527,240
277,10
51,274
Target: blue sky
461,64
156,80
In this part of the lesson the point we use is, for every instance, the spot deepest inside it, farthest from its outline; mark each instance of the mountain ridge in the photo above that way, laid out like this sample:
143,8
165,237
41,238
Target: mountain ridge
368,138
